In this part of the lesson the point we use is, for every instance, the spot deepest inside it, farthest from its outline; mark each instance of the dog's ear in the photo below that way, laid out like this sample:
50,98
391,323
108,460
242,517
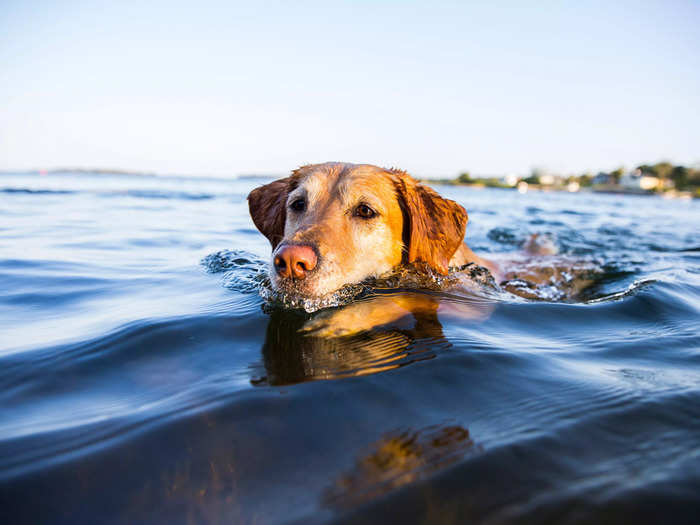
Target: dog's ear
268,208
433,226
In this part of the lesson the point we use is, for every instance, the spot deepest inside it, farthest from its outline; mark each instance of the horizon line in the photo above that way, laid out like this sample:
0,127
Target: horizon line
149,173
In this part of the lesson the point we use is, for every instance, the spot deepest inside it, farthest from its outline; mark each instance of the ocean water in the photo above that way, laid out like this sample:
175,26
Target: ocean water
143,379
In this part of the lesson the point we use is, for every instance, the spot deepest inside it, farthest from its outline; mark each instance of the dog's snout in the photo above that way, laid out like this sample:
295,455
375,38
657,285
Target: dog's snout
295,261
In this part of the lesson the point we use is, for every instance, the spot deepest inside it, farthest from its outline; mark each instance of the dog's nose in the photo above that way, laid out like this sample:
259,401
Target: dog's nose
295,261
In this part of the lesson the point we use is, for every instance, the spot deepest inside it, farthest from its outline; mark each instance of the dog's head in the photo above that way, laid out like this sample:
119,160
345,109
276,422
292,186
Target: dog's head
334,224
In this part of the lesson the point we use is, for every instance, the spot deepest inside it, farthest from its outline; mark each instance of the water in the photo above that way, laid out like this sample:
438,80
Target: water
142,379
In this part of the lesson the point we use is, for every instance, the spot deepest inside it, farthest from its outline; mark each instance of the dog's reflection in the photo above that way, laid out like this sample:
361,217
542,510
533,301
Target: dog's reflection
372,335
399,458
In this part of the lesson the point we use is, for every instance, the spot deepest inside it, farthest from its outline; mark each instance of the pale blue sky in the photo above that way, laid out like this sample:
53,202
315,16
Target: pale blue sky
433,87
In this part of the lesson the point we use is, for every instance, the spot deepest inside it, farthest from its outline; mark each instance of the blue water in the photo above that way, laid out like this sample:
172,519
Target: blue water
143,380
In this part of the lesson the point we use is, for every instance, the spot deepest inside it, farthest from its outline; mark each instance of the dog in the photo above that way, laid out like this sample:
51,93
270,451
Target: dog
335,224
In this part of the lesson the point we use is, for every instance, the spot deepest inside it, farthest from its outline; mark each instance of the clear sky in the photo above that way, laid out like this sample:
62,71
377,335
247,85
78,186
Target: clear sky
432,87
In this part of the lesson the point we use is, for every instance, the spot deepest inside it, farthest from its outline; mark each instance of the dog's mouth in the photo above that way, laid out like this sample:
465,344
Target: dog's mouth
308,286
288,293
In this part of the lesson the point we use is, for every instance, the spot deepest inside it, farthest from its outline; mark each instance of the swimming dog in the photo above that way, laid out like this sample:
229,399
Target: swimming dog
335,224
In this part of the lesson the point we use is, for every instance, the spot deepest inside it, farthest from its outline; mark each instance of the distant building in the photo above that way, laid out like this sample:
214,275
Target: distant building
636,180
547,179
510,180
602,178
573,186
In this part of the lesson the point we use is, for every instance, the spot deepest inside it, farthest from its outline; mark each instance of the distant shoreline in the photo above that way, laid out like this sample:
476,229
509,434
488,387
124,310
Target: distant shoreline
91,171
130,173
522,185
547,189
662,178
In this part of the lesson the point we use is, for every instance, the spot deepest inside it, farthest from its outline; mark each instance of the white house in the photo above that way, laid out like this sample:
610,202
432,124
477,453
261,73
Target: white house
636,180
510,180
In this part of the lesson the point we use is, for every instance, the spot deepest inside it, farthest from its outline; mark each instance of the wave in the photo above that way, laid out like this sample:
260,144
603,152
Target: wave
122,386
159,194
626,464
30,191
139,194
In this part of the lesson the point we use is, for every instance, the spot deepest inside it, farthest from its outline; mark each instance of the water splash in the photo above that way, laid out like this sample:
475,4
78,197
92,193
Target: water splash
566,280
243,272
247,273
415,276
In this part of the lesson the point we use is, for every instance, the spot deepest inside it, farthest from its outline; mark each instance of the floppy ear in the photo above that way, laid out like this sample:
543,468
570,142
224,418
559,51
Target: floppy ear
267,205
433,227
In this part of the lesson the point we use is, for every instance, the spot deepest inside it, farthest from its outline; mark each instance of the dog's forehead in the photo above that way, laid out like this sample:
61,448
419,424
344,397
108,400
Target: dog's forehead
345,181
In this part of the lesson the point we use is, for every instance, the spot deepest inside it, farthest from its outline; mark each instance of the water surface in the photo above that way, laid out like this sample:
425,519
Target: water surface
140,384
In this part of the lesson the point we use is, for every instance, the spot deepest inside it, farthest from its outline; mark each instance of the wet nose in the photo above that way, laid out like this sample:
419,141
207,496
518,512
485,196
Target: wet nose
295,261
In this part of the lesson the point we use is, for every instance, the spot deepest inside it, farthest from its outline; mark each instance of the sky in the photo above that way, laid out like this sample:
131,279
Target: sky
436,88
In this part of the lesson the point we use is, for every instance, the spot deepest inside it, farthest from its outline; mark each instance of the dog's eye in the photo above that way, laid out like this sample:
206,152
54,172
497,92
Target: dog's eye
364,211
298,205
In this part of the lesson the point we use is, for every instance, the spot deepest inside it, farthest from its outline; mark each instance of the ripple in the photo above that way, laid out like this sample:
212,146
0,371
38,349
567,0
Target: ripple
30,191
63,400
138,387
